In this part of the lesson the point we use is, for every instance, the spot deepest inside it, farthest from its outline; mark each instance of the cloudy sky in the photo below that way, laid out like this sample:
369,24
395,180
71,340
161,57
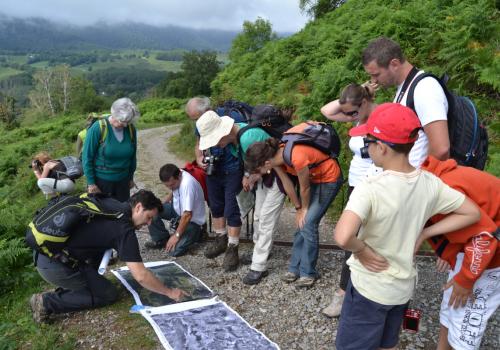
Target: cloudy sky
284,15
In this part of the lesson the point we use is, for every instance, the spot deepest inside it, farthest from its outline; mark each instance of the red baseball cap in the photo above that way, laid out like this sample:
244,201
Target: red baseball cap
391,122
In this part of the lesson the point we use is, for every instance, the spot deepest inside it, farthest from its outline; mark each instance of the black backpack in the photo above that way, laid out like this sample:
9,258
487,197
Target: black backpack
269,119
321,136
239,111
52,225
468,136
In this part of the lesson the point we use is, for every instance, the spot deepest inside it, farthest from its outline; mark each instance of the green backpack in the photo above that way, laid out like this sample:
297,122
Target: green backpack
103,127
52,225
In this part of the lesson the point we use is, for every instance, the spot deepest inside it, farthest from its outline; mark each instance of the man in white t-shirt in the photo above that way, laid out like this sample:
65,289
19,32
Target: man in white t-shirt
380,225
384,61
184,208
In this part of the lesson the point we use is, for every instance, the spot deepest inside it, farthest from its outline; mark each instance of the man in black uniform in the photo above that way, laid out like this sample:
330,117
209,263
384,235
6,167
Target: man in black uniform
81,287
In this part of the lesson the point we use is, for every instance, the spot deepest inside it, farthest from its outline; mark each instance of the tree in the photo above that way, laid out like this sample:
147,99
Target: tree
318,8
199,68
56,90
254,36
8,111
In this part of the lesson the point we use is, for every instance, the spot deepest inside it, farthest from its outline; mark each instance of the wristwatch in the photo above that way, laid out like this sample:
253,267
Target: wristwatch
177,235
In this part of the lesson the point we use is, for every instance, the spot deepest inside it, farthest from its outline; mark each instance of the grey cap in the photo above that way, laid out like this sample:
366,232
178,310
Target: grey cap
125,110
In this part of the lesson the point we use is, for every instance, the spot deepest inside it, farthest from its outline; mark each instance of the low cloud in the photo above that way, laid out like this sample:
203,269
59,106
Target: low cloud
284,15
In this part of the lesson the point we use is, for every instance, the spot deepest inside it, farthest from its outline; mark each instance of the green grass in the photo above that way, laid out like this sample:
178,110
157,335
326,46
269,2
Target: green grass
6,72
19,331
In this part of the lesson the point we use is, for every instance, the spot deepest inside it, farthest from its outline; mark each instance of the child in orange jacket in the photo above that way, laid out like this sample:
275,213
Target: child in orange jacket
472,254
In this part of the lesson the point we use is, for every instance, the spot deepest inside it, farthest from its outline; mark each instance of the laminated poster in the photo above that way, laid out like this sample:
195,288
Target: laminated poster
201,321
172,275
204,324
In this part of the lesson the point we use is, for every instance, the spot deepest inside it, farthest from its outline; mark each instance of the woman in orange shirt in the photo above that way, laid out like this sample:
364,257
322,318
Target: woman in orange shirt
319,180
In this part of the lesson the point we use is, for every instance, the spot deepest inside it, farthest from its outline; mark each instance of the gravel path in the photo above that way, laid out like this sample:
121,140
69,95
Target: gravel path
289,317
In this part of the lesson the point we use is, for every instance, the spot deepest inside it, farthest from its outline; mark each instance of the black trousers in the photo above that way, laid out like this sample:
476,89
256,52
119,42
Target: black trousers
78,288
118,190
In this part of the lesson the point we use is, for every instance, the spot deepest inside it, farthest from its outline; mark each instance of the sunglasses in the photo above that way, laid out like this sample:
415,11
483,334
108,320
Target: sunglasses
367,141
352,113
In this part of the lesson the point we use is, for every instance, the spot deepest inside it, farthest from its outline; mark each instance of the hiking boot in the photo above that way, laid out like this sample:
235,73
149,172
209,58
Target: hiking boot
40,314
254,277
155,245
231,258
289,277
333,310
246,259
217,247
305,282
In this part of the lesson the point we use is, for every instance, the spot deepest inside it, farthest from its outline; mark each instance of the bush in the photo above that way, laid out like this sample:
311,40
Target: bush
309,69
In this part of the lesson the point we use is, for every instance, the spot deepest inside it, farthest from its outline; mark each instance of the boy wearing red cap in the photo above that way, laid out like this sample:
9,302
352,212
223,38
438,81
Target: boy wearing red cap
388,212
472,293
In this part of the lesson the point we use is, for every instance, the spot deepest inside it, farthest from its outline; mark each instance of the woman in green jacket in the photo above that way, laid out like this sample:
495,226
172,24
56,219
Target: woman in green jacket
109,151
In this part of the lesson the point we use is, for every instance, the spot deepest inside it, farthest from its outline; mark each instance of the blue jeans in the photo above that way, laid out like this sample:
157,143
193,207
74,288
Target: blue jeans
306,242
159,232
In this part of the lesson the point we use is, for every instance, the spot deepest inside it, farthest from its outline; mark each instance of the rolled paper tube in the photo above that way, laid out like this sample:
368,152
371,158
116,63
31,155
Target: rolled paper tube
105,261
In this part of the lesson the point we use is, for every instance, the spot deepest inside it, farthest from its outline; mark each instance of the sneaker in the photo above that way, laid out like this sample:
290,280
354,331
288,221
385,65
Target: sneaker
217,247
305,282
40,314
246,259
254,277
155,245
231,258
289,277
333,310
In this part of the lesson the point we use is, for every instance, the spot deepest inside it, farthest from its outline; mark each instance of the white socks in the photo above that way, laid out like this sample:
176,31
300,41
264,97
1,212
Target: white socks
221,232
233,240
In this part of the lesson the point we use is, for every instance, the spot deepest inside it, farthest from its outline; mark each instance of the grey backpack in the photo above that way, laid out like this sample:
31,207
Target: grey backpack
73,165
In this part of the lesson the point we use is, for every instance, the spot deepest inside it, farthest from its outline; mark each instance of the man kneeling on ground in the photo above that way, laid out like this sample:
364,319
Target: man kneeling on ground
184,207
81,287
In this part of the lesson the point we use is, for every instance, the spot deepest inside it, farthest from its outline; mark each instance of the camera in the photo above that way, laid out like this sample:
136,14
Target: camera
174,223
210,160
35,164
364,152
411,320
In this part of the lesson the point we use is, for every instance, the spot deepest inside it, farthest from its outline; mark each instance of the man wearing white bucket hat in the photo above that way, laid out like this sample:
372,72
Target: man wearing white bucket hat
224,185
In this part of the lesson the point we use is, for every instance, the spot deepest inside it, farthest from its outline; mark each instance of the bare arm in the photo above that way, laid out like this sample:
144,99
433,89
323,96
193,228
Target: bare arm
183,223
333,112
149,281
439,140
51,164
345,235
305,186
467,214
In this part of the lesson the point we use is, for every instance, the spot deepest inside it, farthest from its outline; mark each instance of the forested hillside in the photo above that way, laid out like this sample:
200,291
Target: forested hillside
310,68
37,34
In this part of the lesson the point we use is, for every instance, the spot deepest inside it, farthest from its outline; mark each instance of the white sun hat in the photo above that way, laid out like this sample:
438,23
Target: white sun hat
212,128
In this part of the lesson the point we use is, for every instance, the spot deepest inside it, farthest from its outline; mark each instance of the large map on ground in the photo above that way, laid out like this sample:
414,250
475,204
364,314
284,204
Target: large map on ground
205,324
172,275
200,321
